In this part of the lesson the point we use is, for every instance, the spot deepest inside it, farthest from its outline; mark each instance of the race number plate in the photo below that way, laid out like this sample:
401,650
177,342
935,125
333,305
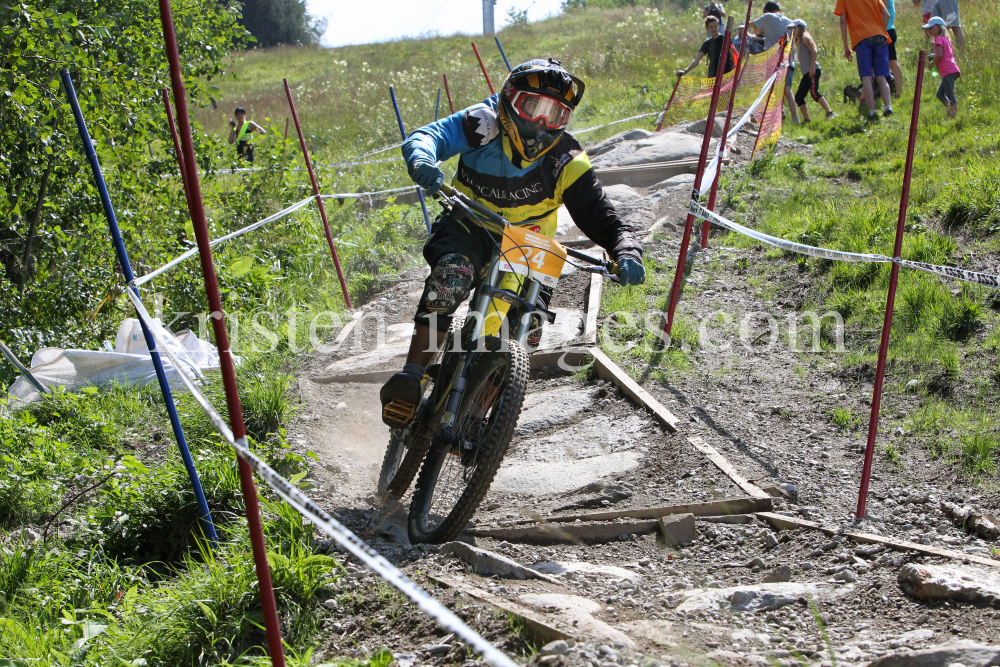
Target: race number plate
529,254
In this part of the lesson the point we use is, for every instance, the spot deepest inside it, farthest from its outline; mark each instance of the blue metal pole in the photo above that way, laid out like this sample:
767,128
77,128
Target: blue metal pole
402,132
437,107
505,61
119,244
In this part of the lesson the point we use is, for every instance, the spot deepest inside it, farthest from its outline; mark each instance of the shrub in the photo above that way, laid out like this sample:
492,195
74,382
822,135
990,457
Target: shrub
960,318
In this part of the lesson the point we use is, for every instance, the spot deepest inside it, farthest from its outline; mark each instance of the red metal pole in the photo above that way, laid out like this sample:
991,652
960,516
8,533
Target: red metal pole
706,140
483,67
740,66
319,200
226,365
448,92
890,301
173,135
286,128
669,102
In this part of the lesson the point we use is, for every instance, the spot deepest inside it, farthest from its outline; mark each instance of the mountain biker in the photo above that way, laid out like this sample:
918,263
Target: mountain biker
517,160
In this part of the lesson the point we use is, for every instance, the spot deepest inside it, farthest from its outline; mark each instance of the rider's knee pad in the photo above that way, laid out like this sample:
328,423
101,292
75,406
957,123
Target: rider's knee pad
448,286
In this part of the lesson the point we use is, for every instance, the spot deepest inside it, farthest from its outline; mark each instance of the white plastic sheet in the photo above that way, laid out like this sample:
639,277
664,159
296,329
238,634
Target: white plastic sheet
129,364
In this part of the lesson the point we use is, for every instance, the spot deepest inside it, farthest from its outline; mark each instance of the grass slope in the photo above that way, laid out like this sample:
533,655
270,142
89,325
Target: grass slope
125,580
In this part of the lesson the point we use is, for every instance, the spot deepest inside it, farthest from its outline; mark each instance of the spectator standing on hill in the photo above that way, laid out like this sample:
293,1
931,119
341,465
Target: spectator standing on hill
944,59
715,9
897,72
948,10
806,55
711,47
773,25
242,134
862,28
925,8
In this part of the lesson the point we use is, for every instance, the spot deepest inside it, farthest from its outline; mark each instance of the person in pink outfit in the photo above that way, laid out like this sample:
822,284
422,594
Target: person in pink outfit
944,59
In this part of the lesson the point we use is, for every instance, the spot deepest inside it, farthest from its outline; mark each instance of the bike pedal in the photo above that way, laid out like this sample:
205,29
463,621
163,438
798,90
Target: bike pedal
399,412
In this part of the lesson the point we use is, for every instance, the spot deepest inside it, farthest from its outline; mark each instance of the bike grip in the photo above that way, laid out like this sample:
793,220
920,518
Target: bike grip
614,269
447,190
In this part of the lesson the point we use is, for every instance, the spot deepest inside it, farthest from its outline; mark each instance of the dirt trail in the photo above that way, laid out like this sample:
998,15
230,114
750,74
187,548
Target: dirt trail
738,593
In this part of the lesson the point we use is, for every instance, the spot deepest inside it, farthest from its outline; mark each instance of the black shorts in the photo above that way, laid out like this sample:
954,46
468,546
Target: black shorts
892,44
244,149
450,236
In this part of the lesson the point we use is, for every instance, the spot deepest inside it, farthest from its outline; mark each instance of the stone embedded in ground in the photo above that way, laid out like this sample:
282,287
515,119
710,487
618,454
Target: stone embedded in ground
608,495
487,564
950,582
678,529
661,633
964,652
698,127
679,181
759,597
583,567
621,193
550,408
612,142
779,574
984,524
578,613
665,147
558,647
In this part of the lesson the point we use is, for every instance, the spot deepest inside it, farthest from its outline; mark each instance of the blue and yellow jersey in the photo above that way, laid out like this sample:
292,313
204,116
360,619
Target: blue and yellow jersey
492,173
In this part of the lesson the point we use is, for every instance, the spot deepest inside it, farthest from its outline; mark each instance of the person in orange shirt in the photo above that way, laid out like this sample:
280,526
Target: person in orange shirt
862,28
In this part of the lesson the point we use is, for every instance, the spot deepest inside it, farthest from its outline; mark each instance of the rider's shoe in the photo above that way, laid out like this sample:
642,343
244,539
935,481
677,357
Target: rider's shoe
401,396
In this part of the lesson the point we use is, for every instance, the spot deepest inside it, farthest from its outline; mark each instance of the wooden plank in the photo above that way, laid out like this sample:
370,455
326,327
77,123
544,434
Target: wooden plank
563,533
593,306
609,370
374,376
725,466
781,521
541,629
713,508
732,518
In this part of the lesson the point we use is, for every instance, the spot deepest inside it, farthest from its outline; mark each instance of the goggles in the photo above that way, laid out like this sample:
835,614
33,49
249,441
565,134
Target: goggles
535,107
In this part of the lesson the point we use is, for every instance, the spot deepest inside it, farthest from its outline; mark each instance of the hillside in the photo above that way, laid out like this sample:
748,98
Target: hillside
100,561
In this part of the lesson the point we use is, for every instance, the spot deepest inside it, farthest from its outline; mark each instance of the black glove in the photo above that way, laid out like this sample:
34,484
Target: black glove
232,122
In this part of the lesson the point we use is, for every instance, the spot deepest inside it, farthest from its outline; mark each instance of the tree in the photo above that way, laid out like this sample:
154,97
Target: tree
56,263
274,22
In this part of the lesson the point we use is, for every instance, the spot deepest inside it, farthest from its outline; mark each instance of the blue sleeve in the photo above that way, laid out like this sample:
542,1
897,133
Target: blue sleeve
441,139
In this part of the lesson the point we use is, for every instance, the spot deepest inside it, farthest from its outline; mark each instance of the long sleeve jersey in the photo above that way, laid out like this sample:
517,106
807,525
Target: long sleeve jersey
491,172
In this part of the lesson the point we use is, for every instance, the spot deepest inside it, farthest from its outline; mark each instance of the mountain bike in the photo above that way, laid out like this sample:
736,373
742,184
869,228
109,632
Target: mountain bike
472,394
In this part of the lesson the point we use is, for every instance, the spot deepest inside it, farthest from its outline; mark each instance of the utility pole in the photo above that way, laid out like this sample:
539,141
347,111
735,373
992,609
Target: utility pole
488,16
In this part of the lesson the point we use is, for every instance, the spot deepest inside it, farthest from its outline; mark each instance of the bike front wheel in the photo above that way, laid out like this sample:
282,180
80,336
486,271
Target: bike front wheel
452,483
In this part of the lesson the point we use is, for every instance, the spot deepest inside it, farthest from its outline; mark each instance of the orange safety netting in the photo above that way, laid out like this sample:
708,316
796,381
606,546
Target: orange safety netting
769,119
692,96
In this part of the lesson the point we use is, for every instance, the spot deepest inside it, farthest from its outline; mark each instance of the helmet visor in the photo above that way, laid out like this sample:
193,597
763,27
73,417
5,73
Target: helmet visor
534,107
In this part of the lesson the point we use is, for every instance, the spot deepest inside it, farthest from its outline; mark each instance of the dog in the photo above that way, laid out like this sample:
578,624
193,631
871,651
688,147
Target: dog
853,94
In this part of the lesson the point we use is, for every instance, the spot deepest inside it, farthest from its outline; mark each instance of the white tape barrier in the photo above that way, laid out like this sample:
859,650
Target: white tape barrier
308,509
703,213
723,146
378,150
257,225
614,122
354,164
240,232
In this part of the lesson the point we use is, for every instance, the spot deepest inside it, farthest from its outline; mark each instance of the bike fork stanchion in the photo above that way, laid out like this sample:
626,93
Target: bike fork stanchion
402,132
161,375
740,66
447,92
659,124
502,54
483,67
319,200
890,301
696,193
226,363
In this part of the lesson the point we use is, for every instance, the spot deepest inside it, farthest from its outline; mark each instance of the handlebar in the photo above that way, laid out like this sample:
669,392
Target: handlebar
472,211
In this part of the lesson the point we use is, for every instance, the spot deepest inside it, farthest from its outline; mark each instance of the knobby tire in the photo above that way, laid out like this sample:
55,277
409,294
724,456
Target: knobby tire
502,414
